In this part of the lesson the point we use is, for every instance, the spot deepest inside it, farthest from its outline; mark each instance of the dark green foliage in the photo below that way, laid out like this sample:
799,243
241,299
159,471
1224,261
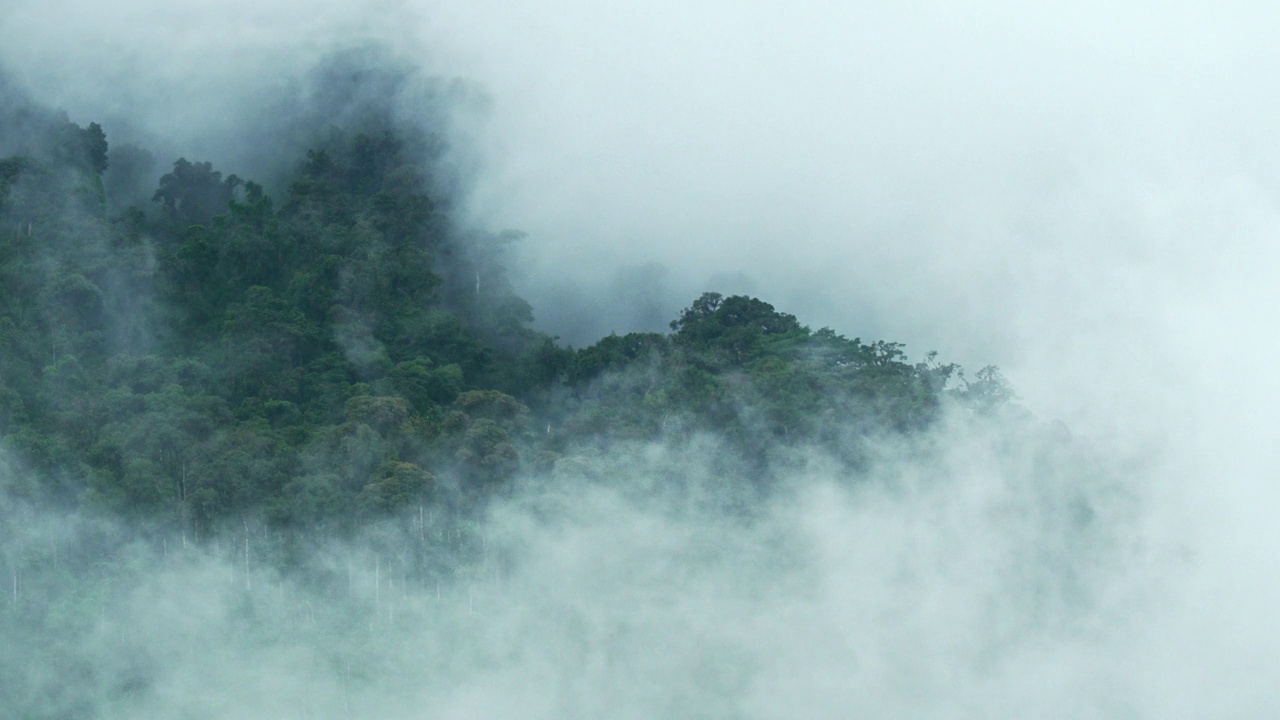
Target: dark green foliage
10,169
349,351
194,193
93,142
756,377
615,353
400,484
424,386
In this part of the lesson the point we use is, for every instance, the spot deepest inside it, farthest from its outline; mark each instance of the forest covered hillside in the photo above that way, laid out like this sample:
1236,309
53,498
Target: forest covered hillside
342,348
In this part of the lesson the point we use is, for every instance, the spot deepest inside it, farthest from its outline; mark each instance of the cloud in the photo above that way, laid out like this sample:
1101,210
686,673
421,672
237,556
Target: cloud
961,579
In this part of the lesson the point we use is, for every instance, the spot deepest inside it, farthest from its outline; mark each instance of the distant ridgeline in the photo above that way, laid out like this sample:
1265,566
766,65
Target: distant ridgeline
205,352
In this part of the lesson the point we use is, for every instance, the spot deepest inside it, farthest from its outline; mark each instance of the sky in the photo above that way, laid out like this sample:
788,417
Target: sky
1082,193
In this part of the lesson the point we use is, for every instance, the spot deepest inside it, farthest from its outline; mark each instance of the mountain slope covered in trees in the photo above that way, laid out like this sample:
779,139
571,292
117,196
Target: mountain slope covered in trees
345,349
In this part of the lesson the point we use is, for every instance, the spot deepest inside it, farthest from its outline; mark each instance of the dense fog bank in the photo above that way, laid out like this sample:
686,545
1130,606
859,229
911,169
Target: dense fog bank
967,575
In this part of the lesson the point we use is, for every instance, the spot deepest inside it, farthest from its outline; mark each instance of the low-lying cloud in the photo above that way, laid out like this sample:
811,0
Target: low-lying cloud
968,575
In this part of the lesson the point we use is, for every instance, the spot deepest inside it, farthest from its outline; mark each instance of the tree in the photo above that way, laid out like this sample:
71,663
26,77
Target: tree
399,485
94,143
987,391
195,193
425,386
733,330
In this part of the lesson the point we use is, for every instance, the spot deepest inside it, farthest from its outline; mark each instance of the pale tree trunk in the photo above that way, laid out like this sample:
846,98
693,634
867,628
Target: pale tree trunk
248,581
186,510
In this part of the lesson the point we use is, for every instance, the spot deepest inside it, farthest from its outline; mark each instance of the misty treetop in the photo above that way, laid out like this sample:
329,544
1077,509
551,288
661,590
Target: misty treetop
345,348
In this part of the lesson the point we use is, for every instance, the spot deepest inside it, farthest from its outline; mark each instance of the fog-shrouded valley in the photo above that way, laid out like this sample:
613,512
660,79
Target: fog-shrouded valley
549,360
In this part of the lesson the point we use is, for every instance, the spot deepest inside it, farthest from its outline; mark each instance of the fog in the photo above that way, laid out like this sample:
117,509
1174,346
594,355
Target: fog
962,579
1082,194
